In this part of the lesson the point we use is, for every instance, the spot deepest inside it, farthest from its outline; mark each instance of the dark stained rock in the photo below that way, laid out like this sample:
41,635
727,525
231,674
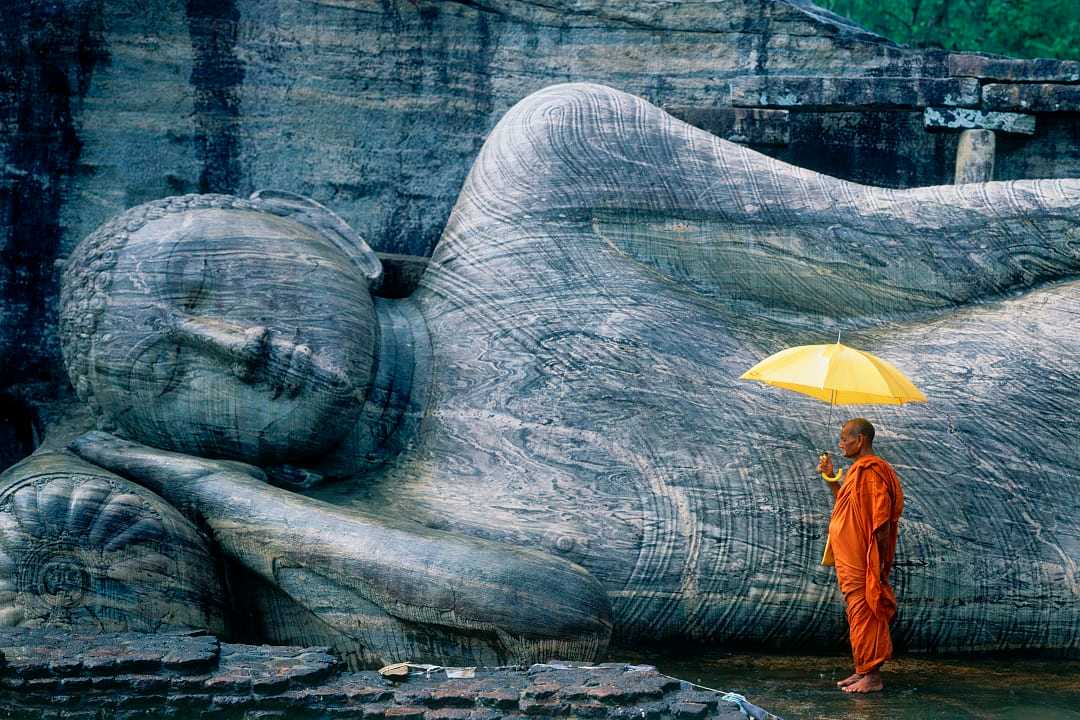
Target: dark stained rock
882,147
48,52
845,92
986,67
1035,97
401,274
1046,154
750,126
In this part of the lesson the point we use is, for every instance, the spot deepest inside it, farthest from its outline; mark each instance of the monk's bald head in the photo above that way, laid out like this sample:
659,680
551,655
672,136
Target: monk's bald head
860,426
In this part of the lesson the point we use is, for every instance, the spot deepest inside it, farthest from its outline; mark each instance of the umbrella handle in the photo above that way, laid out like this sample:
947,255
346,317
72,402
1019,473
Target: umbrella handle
836,477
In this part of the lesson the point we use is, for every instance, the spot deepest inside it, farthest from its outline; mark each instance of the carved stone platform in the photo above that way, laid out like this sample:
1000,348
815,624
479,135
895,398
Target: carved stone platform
51,674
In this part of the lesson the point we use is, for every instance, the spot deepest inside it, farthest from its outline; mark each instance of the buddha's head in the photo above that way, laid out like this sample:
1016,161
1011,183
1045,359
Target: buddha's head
223,327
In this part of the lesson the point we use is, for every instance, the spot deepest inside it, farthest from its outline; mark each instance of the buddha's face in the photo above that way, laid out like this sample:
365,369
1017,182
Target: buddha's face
234,333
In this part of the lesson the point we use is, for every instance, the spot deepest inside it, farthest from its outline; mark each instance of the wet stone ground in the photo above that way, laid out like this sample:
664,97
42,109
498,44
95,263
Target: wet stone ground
49,674
803,687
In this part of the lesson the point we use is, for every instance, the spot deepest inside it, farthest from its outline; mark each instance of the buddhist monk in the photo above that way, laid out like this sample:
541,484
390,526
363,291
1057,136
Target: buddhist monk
862,541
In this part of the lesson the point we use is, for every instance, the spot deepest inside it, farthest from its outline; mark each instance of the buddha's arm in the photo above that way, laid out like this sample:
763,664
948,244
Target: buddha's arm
525,601
585,168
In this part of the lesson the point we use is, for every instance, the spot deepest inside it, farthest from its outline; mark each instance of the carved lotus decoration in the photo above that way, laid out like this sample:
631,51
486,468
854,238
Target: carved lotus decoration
97,553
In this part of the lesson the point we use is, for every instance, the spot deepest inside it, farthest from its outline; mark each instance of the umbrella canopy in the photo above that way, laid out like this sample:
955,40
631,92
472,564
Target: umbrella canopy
837,374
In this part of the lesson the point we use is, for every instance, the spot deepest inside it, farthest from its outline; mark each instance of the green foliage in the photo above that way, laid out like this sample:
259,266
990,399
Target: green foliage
1019,28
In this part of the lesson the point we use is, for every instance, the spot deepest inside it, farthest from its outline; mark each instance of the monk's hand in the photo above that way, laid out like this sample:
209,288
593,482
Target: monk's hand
825,466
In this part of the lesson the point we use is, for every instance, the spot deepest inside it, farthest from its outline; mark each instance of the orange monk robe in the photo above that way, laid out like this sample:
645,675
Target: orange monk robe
869,498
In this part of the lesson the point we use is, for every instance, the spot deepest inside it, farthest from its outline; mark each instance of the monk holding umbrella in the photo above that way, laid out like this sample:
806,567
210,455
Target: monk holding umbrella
867,503
862,541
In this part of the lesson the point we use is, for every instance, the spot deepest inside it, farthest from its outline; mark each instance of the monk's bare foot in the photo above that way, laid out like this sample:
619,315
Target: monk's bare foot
868,683
849,680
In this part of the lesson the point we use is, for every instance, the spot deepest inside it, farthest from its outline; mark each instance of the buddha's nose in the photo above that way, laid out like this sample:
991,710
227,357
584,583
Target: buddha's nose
255,354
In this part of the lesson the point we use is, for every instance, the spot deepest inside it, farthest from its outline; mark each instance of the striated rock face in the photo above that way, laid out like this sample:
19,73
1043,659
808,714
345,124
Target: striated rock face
608,272
379,107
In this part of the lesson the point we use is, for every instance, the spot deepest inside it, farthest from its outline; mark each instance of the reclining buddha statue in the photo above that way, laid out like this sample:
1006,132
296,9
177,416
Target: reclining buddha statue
545,447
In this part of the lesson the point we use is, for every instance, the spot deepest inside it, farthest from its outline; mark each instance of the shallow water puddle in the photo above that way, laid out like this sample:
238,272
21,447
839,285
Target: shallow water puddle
916,688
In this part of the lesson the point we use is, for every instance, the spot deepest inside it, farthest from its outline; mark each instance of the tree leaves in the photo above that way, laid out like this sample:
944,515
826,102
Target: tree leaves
1019,28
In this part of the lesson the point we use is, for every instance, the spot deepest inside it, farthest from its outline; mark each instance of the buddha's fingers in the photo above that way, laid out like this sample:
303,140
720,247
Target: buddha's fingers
166,473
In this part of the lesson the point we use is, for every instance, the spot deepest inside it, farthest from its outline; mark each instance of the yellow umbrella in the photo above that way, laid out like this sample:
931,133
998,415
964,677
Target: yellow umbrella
837,374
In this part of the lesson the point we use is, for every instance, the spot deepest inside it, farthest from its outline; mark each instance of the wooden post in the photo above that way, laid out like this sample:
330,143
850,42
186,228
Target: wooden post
975,156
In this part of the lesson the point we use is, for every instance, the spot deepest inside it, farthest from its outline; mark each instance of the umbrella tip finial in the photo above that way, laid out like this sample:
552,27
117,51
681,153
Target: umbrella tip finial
838,337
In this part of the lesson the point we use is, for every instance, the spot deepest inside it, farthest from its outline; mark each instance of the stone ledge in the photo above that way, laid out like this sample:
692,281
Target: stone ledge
971,119
45,653
195,677
996,68
748,126
1037,97
840,93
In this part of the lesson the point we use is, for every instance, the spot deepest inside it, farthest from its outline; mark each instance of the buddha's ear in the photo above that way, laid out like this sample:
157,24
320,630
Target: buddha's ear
327,222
